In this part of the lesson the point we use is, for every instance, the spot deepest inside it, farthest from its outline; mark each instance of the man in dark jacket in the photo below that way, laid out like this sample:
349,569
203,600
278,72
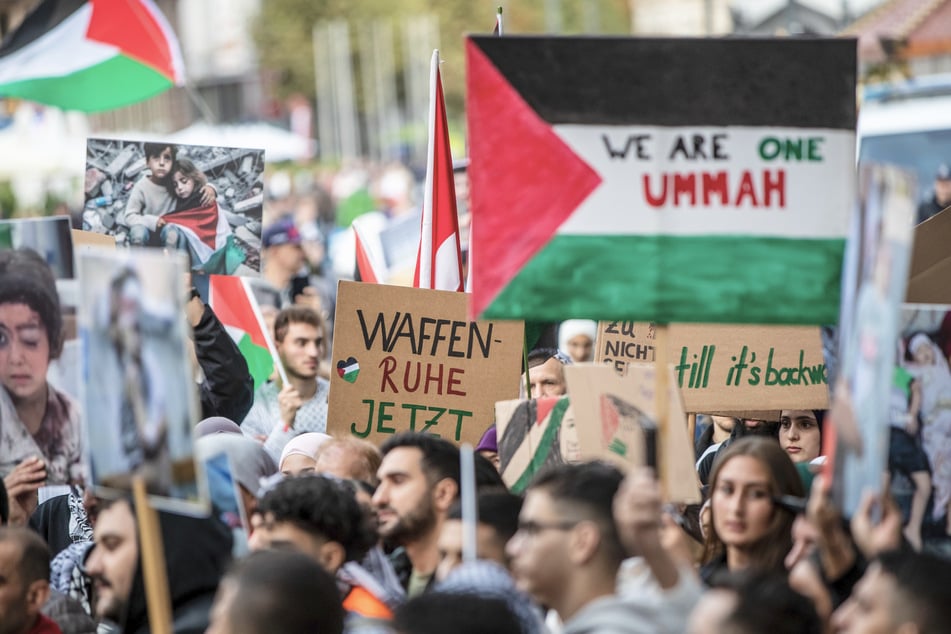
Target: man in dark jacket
227,389
197,551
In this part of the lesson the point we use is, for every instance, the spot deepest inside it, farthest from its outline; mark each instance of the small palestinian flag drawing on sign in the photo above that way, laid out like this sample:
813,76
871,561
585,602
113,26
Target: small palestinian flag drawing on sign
530,438
348,370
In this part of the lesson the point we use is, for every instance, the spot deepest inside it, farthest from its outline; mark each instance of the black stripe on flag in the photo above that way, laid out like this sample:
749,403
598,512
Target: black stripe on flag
44,18
798,83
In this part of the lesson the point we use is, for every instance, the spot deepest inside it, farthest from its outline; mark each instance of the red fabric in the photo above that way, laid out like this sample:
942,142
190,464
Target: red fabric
442,216
230,302
362,602
202,220
364,266
131,26
44,625
525,180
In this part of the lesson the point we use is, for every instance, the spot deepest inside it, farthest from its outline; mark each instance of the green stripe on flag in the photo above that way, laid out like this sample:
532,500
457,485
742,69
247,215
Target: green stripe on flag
260,363
556,415
706,279
117,82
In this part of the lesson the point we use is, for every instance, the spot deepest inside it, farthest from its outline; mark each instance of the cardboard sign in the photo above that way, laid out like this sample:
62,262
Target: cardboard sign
930,266
728,368
408,359
84,240
618,436
533,435
733,208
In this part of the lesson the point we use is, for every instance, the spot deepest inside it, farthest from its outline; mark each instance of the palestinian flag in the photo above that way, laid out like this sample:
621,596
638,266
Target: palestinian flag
691,180
530,438
90,56
235,306
210,238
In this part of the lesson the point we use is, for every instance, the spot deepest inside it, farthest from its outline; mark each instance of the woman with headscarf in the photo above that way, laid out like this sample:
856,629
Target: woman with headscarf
300,453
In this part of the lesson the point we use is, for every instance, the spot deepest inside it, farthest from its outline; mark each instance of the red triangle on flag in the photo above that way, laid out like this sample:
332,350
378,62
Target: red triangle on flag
525,181
132,27
545,404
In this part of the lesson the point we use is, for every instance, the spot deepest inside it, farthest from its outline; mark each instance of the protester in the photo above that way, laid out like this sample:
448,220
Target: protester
300,453
196,554
900,592
749,530
40,438
746,427
419,481
714,433
277,591
24,583
576,338
497,510
750,603
941,195
216,425
568,550
546,373
349,458
279,414
227,388
800,434
488,447
283,260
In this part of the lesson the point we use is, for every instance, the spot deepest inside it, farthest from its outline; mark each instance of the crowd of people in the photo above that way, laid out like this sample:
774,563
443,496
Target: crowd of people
342,535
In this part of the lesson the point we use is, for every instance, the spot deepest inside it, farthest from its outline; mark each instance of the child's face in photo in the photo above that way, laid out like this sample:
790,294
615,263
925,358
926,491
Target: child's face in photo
184,186
160,165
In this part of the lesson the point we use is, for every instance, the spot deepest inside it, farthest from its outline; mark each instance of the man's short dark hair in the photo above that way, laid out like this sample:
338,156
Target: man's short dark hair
153,149
439,612
922,581
26,278
766,603
589,487
34,562
296,315
497,508
440,457
284,591
323,507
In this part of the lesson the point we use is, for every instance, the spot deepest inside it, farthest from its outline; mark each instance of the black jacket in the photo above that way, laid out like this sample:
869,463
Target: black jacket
228,389
197,552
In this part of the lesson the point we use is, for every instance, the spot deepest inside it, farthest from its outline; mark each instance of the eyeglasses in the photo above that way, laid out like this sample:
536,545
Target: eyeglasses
532,528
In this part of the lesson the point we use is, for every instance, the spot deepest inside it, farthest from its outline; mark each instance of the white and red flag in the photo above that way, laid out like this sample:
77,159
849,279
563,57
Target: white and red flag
439,259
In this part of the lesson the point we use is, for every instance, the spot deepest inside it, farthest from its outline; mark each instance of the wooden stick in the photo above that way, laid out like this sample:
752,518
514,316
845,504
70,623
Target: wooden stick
661,402
692,428
152,556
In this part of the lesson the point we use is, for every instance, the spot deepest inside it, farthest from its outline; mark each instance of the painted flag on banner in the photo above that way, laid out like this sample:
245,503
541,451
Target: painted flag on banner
233,302
618,194
210,238
439,259
91,56
530,438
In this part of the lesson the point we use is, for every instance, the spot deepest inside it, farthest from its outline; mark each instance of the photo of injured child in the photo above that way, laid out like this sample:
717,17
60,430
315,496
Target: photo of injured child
204,201
139,387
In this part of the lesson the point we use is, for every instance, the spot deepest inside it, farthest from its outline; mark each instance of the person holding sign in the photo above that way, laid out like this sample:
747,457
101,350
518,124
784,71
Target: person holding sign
40,435
279,414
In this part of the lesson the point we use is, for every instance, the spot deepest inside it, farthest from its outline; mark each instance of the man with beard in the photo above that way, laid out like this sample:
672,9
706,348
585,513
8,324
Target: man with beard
197,551
24,583
419,480
279,414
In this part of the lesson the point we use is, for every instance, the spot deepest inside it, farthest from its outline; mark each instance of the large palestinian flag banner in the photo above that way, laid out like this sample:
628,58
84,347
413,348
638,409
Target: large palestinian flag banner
90,56
690,180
